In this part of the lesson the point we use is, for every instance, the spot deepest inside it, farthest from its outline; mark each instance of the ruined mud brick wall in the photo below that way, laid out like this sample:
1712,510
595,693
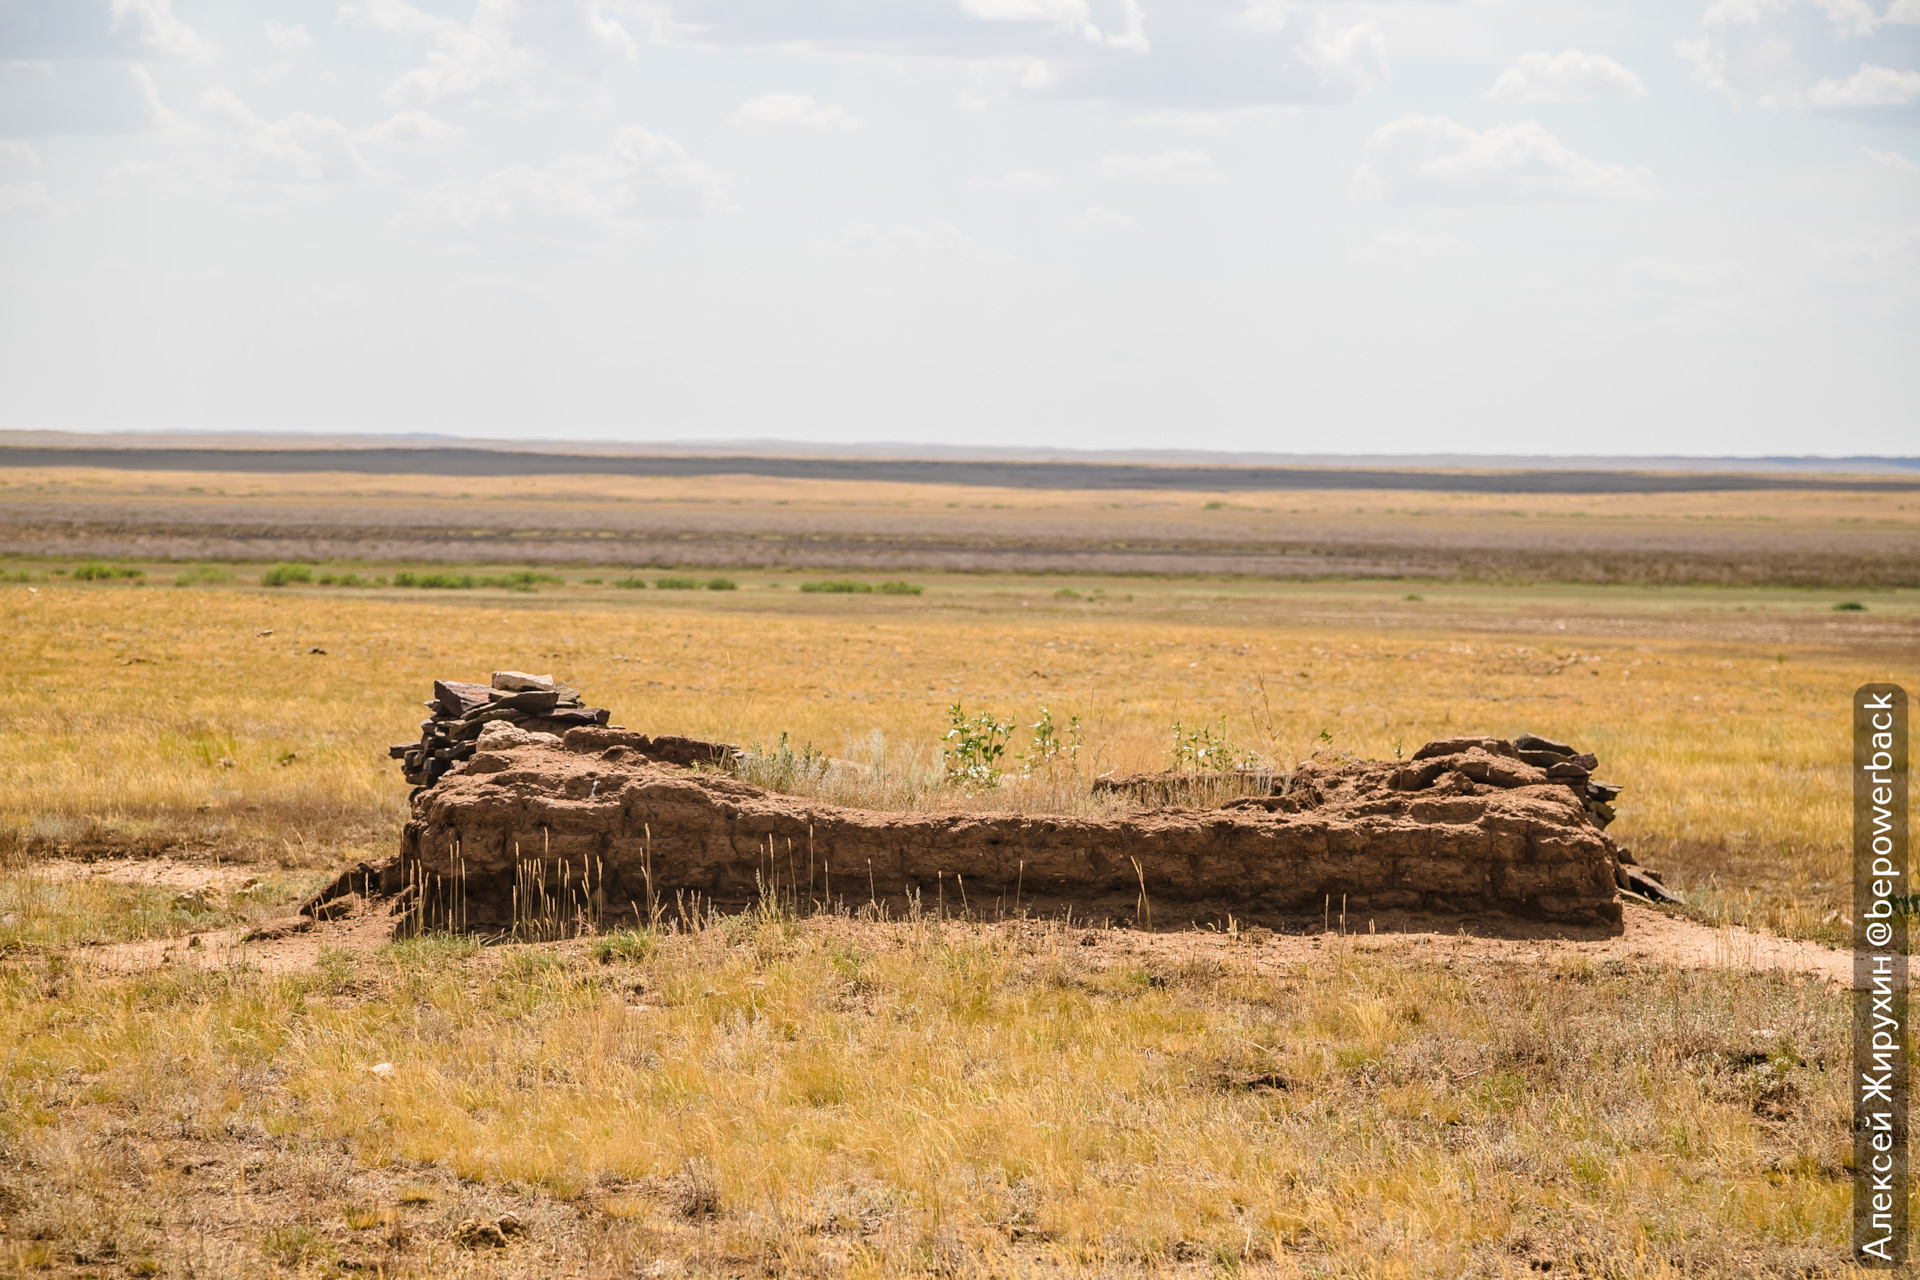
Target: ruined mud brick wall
616,816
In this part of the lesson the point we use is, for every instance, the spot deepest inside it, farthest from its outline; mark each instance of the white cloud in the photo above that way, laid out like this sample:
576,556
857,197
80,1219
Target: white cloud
1019,180
1207,122
25,198
1179,168
14,152
1870,86
1401,244
288,38
1202,55
298,148
1075,16
1891,161
1875,262
1433,160
1348,60
1568,76
936,239
1099,218
156,27
574,198
791,113
498,54
1798,53
411,131
1660,275
223,146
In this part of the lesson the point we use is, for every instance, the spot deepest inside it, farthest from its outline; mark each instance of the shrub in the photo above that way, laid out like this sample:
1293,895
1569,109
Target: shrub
677,584
525,580
1051,748
106,572
783,768
435,581
722,584
589,582
1202,750
974,747
900,589
1849,606
1066,593
202,575
283,574
343,580
633,582
20,575
839,586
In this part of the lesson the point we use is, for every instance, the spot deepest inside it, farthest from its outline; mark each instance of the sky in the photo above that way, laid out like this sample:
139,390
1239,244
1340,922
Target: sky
1471,226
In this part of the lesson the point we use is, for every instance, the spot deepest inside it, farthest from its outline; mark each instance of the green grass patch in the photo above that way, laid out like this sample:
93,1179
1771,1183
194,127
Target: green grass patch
525,580
436,581
106,572
283,575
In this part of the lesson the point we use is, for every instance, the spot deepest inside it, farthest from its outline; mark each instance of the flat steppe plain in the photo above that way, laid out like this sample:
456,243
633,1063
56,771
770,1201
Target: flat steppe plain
1866,537
815,1093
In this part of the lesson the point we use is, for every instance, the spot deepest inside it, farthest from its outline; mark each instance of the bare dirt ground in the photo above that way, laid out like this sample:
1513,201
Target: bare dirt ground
1650,936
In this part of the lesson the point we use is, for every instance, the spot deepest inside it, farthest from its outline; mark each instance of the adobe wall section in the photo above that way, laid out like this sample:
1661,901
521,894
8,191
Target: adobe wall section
645,826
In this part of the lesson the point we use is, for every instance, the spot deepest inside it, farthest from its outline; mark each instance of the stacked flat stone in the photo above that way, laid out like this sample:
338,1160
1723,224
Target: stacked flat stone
461,710
1528,760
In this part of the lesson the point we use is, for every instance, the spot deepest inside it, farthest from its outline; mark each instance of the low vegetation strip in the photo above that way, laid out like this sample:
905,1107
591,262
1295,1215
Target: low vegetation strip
1017,550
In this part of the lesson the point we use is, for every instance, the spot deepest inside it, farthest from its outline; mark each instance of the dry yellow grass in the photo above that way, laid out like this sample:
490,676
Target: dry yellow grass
770,1096
136,713
776,1097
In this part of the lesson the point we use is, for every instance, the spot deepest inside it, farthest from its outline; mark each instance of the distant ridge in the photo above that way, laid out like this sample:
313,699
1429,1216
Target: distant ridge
1215,475
293,444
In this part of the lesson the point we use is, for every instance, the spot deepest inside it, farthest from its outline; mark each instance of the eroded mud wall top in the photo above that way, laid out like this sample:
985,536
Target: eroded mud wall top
604,810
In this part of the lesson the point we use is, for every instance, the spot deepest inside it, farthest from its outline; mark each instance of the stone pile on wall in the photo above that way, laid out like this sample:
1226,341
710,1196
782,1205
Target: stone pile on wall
460,711
1529,760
